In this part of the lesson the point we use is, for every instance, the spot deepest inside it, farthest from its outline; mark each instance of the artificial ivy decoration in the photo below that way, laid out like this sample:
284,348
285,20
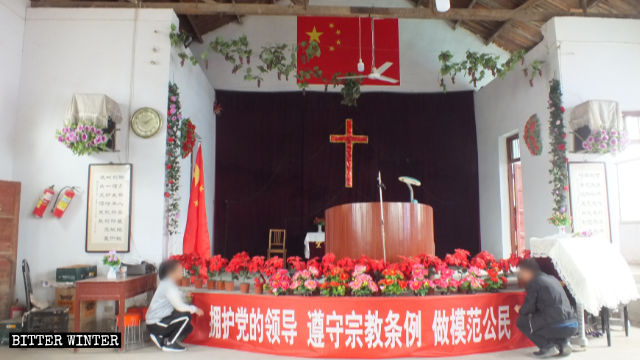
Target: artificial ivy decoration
172,161
532,135
558,151
279,58
476,66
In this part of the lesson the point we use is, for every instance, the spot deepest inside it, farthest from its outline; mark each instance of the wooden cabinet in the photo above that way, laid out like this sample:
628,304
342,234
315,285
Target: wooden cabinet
9,212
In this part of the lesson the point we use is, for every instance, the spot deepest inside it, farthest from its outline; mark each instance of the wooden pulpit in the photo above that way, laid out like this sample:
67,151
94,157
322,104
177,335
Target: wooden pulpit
354,229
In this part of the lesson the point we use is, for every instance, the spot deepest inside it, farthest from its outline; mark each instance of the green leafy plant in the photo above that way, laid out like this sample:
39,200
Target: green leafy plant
476,66
279,58
558,151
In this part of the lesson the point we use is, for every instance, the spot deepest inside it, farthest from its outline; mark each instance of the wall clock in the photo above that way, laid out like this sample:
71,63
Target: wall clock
146,122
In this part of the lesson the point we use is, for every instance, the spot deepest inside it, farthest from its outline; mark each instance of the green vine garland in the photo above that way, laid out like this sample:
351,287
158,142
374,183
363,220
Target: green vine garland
477,65
172,161
180,140
281,59
558,171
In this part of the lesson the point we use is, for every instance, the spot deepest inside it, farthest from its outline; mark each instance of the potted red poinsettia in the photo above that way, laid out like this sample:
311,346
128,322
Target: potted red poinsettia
255,267
239,268
215,268
270,268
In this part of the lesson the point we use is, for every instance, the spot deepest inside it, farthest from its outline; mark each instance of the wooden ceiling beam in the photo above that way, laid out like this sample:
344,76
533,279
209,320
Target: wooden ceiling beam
471,5
524,7
239,9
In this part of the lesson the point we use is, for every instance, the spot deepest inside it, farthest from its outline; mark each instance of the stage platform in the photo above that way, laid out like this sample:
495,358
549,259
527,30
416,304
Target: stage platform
358,327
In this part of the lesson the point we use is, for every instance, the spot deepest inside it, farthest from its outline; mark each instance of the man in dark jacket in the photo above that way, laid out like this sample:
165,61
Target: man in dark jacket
546,316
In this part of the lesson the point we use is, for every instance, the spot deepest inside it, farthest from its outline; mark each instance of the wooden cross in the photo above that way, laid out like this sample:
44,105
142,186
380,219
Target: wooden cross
349,139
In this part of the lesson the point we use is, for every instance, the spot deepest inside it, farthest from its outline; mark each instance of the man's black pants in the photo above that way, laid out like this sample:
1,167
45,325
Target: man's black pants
547,336
173,327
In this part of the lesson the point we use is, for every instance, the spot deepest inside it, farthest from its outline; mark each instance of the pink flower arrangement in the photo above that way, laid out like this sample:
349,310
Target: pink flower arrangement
83,139
606,141
280,282
363,285
419,283
303,281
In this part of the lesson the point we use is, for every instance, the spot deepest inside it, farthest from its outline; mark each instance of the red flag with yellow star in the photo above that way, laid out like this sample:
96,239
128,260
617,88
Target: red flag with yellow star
339,46
196,234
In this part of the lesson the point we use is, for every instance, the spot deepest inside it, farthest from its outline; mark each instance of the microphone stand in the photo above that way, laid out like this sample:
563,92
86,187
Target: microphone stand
384,244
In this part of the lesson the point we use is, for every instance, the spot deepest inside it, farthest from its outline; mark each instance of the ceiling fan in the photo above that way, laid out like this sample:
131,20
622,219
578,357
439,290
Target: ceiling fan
376,72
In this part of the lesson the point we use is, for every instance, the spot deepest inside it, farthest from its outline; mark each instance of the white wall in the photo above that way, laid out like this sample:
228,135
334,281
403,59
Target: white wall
420,43
196,98
599,60
106,51
502,108
12,15
594,59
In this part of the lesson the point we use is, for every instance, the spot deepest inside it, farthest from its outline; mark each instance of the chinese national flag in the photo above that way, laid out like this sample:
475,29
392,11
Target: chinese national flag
338,41
196,234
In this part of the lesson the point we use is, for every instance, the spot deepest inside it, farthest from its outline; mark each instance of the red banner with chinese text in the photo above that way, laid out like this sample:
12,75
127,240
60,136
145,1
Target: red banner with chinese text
368,327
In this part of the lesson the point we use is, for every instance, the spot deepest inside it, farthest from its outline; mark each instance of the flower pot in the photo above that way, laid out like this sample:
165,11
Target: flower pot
244,288
229,285
319,228
112,274
258,289
197,282
185,282
211,284
220,285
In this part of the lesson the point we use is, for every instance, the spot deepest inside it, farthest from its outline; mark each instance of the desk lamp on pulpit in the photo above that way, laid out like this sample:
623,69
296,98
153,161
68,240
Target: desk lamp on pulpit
411,182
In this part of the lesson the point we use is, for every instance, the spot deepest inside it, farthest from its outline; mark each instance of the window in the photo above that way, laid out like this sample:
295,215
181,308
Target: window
516,195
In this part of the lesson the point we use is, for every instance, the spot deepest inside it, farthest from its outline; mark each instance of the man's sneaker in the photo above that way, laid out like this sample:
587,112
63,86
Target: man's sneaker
175,347
565,349
546,352
157,340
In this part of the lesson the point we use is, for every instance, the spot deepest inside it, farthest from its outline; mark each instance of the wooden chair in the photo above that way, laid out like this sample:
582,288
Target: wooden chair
277,243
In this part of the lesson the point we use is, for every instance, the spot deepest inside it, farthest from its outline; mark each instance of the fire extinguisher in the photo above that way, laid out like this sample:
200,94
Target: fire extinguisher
44,201
62,200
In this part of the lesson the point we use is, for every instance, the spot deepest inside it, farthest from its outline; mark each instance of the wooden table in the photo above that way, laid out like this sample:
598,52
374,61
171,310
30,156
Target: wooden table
120,289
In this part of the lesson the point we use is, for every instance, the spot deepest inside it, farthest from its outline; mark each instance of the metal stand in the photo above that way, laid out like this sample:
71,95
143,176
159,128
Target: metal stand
384,243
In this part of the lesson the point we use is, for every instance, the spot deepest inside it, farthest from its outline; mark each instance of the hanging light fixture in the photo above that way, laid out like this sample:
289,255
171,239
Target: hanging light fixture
443,5
360,63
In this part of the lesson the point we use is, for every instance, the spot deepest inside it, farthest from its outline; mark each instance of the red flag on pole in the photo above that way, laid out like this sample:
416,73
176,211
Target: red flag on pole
196,234
342,44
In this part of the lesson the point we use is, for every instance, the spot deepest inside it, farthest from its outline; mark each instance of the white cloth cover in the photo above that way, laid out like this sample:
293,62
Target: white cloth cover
594,270
312,237
94,109
597,115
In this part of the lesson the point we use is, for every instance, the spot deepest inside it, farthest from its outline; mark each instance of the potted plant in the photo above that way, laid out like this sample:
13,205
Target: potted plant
392,282
280,282
113,262
239,268
494,281
419,283
303,281
270,268
335,282
255,267
215,268
83,139
319,222
362,283
195,267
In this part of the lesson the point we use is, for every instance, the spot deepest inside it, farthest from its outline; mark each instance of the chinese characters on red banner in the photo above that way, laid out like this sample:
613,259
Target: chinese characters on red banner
358,327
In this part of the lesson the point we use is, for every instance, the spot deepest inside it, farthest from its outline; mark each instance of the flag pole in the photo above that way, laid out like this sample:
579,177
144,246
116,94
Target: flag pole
384,243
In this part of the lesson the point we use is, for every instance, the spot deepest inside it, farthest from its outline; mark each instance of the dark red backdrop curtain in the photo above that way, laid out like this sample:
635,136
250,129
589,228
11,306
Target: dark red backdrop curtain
275,166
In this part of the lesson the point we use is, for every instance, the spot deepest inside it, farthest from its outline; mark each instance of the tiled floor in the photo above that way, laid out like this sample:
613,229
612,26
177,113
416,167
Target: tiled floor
623,349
